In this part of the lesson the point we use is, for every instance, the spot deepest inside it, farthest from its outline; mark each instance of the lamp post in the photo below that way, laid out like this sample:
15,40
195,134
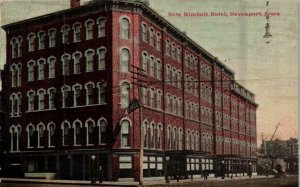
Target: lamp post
167,174
93,157
222,169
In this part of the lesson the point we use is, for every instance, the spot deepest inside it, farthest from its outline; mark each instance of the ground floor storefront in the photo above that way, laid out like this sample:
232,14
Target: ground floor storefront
123,164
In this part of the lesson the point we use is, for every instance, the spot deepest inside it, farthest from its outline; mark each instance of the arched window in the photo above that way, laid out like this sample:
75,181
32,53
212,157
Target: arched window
89,58
152,135
51,133
169,143
158,41
30,135
102,124
40,135
89,24
51,33
76,58
101,58
30,95
65,93
65,126
151,36
89,93
101,27
145,62
77,92
159,133
188,140
65,33
76,28
41,36
51,62
193,140
174,138
77,125
30,66
125,132
144,32
101,92
124,28
180,134
158,69
125,87
124,60
15,133
41,94
90,124
65,64
31,38
145,128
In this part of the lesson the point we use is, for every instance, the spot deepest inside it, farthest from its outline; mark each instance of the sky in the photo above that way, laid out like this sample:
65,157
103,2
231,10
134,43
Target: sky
268,70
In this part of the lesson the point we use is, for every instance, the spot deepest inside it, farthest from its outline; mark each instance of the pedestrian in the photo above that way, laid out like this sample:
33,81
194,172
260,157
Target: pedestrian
177,175
100,174
205,174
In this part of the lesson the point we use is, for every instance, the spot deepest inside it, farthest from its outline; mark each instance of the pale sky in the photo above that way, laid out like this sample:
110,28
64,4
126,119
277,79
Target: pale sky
268,70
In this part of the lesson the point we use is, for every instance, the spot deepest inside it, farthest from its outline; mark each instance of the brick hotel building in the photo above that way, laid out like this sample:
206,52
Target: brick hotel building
68,80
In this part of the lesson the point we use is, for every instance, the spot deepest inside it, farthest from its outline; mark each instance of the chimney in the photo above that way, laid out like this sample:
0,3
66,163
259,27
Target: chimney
74,3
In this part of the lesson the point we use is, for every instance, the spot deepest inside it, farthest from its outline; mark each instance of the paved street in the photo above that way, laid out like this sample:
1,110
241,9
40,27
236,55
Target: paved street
291,181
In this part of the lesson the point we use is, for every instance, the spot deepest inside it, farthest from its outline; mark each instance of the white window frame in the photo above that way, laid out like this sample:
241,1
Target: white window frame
101,22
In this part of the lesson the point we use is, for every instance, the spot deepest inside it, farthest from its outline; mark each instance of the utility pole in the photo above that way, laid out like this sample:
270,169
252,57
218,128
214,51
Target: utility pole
137,75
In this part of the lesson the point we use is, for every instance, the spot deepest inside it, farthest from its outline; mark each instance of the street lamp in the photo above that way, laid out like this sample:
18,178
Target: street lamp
93,157
167,174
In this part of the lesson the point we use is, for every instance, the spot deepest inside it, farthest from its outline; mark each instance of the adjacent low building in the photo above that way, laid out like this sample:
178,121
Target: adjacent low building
70,76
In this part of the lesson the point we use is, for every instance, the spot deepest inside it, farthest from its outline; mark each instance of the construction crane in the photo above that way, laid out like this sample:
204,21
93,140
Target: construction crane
275,131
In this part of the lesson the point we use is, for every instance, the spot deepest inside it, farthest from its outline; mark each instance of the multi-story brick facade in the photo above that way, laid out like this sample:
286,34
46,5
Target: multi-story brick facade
70,75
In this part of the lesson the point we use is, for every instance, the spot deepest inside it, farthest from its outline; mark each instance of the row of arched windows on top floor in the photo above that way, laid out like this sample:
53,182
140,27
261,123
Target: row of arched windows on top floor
16,43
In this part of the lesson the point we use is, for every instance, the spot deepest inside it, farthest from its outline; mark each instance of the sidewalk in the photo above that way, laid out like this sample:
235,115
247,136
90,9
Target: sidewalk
147,182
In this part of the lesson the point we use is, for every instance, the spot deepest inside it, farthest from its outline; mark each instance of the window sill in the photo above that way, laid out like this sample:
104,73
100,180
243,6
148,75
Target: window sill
46,110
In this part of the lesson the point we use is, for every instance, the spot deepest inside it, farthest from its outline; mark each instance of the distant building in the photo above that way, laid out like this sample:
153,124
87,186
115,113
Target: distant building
69,77
282,149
